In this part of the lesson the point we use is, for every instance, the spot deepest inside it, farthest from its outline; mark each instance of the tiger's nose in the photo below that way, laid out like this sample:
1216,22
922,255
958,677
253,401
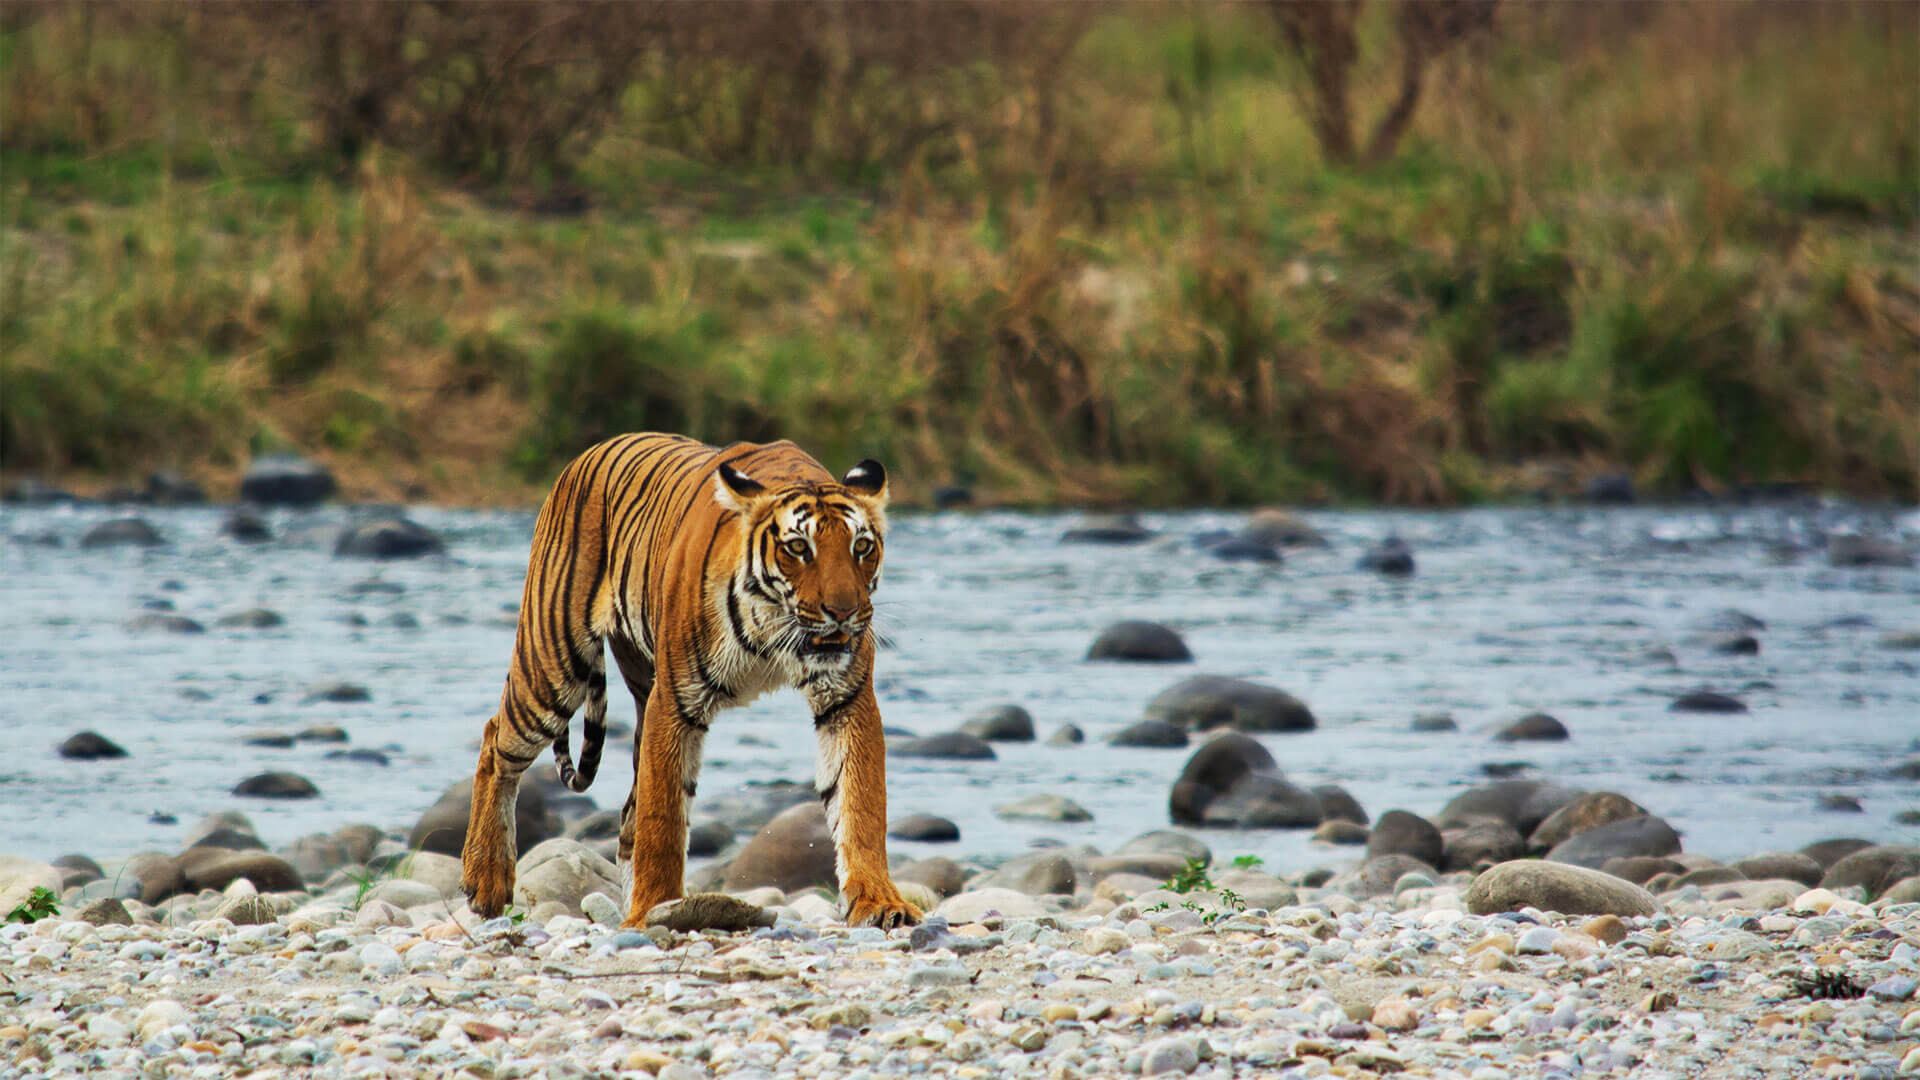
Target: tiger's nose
838,614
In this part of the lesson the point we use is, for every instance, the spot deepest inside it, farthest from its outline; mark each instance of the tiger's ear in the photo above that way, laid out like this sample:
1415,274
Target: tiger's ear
868,478
734,489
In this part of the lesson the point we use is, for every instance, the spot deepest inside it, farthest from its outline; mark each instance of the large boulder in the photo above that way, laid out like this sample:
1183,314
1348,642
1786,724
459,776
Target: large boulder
1523,804
1533,727
565,872
792,852
1832,850
926,828
154,877
1376,876
1215,767
944,876
1781,865
1209,701
1470,847
1391,557
1875,869
976,904
1039,873
1002,723
216,868
1263,801
443,827
1548,886
1635,836
389,538
1136,639
1589,811
286,480
20,876
1336,803
1400,833
1054,808
1168,842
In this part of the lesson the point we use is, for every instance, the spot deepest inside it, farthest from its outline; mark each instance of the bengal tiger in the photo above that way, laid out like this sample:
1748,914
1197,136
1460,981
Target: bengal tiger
714,575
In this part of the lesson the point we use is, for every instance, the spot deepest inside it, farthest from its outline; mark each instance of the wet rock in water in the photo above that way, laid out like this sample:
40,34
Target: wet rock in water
172,624
1904,640
1836,802
1433,722
1523,804
442,828
1337,804
1636,836
1906,817
792,852
1401,833
224,829
563,872
253,619
1149,734
1470,847
1231,548
1547,886
1137,639
1168,842
1846,550
1391,557
710,911
927,828
246,527
359,755
90,746
1589,811
286,480
1278,528
1731,620
1830,851
1002,723
389,538
1533,727
1341,831
1055,808
323,733
1214,768
1610,489
217,868
942,875
1067,735
953,745
1500,770
705,839
1734,645
337,692
1875,869
1906,770
1204,702
1108,529
122,532
1707,701
277,785
1263,801
272,740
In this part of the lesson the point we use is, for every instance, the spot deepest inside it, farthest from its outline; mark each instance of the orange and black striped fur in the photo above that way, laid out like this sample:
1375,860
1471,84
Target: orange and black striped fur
715,575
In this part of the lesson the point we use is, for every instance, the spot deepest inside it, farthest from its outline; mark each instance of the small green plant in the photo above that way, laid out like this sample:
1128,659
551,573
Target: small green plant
1161,906
516,914
1191,879
39,904
1248,862
1233,900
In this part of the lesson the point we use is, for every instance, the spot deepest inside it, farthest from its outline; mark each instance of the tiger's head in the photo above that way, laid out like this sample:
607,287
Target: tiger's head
810,558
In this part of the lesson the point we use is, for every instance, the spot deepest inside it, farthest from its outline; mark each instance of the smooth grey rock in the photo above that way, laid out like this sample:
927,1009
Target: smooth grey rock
1141,641
1208,701
793,852
1635,836
1549,886
1003,723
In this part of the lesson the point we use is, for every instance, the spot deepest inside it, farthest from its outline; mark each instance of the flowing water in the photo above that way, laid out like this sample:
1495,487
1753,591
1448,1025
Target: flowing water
1511,611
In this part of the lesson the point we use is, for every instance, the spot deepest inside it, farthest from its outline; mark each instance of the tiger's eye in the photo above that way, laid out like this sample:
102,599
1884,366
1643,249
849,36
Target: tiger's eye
796,547
862,547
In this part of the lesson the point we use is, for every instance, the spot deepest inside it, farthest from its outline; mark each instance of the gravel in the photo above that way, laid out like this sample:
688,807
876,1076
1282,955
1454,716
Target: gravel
1327,987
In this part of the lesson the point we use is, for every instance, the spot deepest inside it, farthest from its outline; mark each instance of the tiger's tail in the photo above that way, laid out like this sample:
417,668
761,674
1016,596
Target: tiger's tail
593,738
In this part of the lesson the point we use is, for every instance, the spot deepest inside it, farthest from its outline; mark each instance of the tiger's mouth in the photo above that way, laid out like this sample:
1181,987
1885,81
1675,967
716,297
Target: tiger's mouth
834,643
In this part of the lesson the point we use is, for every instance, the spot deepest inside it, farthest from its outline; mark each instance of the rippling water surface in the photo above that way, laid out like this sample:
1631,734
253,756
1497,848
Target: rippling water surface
1512,610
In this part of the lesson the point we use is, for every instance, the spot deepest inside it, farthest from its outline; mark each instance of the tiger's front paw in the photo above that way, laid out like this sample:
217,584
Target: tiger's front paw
488,884
879,904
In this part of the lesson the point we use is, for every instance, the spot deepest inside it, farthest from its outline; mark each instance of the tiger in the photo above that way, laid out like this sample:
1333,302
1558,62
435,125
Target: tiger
713,575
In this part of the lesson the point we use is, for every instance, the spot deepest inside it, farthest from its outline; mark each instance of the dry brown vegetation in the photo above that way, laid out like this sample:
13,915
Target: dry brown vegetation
1417,251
